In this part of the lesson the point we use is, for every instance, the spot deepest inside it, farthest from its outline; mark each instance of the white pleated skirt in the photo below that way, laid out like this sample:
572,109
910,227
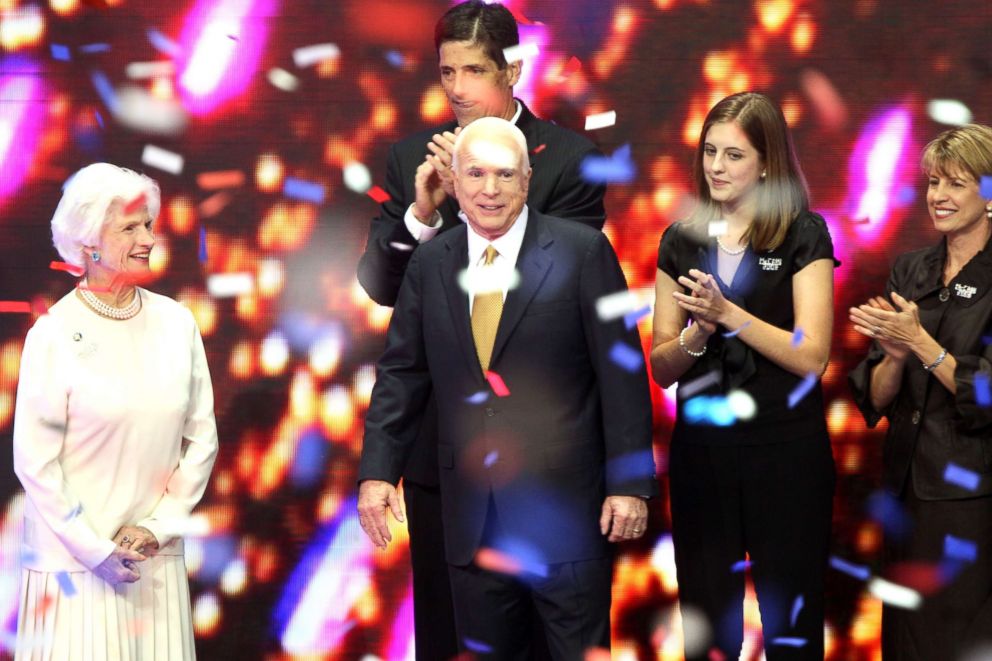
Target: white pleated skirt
77,616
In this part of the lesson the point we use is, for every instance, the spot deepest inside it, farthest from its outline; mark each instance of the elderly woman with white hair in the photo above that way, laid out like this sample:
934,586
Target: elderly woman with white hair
114,440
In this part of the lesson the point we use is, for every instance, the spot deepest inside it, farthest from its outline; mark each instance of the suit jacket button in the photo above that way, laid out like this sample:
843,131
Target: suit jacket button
945,294
916,417
490,412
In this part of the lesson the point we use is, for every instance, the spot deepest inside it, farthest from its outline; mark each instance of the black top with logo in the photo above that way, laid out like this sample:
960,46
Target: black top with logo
762,285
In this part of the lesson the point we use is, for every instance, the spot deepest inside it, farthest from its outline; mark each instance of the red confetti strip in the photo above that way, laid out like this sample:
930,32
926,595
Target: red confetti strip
15,306
68,268
214,204
134,205
496,383
220,179
538,149
574,65
377,194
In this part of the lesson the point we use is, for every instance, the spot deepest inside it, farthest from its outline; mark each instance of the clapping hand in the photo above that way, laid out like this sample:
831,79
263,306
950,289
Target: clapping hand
705,302
895,330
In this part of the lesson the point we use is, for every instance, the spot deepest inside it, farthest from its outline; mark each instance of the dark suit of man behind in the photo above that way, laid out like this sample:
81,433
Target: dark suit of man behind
536,473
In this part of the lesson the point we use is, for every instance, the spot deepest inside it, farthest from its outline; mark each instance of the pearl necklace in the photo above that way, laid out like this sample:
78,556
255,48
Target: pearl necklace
732,253
110,311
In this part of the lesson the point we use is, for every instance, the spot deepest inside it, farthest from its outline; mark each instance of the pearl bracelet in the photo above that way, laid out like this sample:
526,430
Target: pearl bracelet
932,366
694,354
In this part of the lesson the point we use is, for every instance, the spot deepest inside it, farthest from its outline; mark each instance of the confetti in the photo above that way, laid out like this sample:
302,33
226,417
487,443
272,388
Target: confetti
473,645
717,227
283,79
985,187
496,277
521,52
699,384
301,189
68,268
894,595
739,566
706,410
60,52
961,477
203,245
65,582
162,43
803,389
627,358
631,318
357,177
377,194
214,204
789,642
797,607
402,247
538,149
162,159
826,100
983,396
496,383
135,204
490,459
99,117
601,120
737,331
307,56
105,91
573,66
478,397
956,548
949,111
15,306
395,58
620,304
227,285
76,511
741,404
220,179
887,510
144,70
94,48
797,337
617,168
849,568
138,109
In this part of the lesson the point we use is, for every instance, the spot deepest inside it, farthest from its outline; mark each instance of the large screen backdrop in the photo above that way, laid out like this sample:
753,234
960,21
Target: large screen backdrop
267,125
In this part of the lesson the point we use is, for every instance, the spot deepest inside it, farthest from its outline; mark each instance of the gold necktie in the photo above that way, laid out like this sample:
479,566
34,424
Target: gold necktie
486,310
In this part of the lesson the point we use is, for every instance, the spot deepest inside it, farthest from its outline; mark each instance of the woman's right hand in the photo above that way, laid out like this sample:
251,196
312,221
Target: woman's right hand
119,566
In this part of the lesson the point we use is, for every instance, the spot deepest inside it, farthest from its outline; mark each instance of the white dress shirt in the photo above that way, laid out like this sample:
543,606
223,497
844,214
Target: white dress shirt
502,274
423,233
114,426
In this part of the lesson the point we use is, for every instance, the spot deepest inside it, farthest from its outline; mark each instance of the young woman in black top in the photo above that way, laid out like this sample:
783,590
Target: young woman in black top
751,272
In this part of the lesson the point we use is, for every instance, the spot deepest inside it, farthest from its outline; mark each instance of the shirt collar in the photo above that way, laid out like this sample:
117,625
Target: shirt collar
508,245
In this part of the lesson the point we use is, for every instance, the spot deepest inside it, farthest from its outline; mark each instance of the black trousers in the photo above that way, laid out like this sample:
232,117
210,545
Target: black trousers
495,613
772,502
433,609
957,617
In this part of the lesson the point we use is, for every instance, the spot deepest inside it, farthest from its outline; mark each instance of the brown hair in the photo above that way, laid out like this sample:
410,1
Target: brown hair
782,193
967,147
490,26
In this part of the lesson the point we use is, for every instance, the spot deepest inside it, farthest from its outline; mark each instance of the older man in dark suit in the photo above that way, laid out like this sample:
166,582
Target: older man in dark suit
545,475
478,81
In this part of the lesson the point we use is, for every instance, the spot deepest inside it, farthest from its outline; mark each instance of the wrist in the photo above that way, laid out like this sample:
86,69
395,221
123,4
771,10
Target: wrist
693,347
424,218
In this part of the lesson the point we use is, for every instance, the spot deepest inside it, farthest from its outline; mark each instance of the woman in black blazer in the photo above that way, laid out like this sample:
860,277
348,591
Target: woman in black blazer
928,372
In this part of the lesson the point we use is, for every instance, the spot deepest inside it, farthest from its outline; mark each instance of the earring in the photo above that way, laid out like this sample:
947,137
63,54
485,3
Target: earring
988,211
95,255
764,174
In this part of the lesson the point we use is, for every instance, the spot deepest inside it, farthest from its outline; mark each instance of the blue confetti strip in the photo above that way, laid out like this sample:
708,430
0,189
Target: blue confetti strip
631,318
849,568
956,548
739,566
105,90
478,398
476,646
789,642
395,58
627,358
61,52
65,582
707,410
962,477
76,511
797,607
986,186
94,48
616,169
797,337
203,245
983,395
300,189
99,117
162,43
802,390
490,459
735,333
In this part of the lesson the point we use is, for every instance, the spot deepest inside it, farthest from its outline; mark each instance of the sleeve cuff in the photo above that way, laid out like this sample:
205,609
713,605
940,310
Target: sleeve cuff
98,554
422,233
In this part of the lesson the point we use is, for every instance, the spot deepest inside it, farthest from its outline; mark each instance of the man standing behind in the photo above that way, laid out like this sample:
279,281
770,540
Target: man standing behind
548,474
478,82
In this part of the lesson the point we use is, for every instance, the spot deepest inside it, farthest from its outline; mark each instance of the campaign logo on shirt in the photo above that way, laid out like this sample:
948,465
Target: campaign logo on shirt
770,263
965,291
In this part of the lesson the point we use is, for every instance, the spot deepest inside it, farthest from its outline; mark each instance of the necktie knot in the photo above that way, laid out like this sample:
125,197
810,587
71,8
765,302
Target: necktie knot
490,255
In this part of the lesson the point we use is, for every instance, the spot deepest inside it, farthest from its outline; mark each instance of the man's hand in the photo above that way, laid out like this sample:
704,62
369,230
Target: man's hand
137,538
623,517
443,150
374,496
119,566
429,191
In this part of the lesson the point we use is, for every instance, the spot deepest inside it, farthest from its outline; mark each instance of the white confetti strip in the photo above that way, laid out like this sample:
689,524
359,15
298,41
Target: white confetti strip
521,52
309,55
226,285
601,120
162,159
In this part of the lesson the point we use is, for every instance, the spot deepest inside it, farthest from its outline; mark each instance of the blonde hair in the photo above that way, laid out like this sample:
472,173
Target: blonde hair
967,147
782,193
89,199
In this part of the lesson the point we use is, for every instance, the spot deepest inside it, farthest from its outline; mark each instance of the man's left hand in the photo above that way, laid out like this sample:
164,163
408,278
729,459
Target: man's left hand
441,157
623,518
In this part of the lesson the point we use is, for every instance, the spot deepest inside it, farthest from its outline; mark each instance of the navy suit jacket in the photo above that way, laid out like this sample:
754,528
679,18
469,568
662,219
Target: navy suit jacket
576,425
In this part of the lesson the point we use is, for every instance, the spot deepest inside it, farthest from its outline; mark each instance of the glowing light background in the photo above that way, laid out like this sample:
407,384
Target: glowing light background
279,567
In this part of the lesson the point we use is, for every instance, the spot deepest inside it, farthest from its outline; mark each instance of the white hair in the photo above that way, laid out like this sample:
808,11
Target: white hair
89,198
493,127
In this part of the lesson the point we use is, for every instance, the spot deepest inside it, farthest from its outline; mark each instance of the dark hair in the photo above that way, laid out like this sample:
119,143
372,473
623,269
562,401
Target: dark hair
490,26
782,193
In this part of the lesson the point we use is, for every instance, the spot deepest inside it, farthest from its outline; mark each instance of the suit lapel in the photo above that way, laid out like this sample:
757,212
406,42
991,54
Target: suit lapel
533,264
453,262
